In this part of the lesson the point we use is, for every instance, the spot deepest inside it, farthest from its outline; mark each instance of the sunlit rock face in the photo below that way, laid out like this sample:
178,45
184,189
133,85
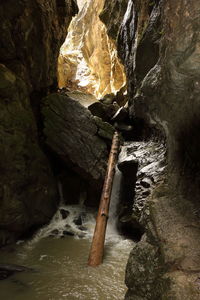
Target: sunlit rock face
88,59
112,16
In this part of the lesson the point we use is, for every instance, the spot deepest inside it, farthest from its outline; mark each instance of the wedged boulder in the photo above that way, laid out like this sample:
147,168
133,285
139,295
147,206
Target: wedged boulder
70,132
28,193
103,110
105,130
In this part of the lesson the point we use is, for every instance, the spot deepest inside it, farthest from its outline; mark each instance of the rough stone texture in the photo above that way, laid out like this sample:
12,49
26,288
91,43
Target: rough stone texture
148,164
103,111
144,271
105,129
112,16
138,41
70,132
179,244
27,193
159,43
88,59
167,264
31,33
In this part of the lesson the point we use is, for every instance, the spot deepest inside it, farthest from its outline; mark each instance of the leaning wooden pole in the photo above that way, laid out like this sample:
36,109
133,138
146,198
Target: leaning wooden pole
97,247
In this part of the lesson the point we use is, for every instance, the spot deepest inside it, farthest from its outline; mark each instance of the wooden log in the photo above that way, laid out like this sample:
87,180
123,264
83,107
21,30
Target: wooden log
97,247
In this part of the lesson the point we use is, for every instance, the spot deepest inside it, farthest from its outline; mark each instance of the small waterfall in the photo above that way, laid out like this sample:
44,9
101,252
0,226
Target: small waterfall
79,221
59,252
115,199
69,220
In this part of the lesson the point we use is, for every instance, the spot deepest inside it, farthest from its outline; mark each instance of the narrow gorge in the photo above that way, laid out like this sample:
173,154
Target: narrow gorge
72,72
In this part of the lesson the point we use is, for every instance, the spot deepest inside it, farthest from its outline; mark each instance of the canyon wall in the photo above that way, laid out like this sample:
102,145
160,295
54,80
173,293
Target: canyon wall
158,42
88,59
31,33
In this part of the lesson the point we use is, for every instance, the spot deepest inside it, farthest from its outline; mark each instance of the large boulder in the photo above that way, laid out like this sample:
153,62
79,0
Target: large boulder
71,133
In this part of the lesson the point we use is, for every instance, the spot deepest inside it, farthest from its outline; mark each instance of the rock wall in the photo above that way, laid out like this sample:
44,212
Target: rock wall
159,45
88,59
31,33
112,16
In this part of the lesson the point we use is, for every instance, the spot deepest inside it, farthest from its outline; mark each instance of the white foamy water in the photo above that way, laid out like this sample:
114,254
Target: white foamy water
60,259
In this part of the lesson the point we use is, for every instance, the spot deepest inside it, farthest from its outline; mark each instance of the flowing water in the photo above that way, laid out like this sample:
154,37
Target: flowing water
59,260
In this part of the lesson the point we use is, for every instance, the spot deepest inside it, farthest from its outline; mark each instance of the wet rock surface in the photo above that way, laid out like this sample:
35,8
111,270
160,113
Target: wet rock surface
31,36
138,40
76,223
26,198
6,270
64,213
103,111
143,165
165,264
112,15
159,44
105,130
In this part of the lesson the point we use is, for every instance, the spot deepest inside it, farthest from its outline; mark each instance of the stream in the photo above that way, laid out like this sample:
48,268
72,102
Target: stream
58,255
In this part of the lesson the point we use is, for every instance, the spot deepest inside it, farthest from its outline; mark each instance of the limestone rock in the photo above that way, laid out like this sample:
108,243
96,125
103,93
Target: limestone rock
138,41
144,273
31,33
71,133
112,16
166,265
107,99
105,130
159,44
28,193
103,111
88,59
